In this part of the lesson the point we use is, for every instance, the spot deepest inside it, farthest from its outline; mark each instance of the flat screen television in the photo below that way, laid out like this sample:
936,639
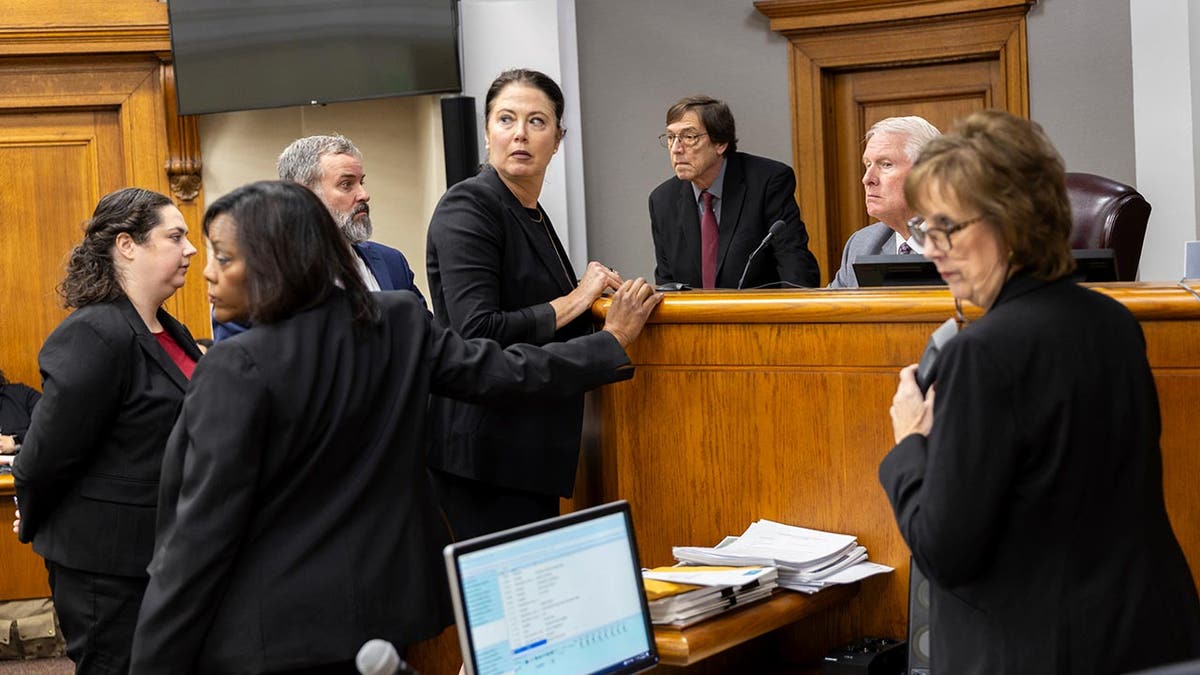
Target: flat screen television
247,54
1091,265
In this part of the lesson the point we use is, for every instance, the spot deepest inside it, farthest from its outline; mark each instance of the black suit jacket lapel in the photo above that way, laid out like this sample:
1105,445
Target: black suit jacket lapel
687,214
183,336
149,343
732,199
878,245
540,236
374,261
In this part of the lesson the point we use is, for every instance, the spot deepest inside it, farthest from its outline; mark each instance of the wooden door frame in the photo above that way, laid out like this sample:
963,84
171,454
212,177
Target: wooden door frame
828,36
113,53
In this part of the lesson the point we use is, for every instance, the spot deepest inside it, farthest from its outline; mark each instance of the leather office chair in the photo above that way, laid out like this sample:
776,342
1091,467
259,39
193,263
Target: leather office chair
1108,214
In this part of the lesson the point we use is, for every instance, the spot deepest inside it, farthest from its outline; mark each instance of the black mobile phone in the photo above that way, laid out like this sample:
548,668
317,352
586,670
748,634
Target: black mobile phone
926,366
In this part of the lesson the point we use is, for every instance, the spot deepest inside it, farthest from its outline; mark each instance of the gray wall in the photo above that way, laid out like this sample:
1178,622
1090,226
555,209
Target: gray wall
1194,67
1081,83
637,57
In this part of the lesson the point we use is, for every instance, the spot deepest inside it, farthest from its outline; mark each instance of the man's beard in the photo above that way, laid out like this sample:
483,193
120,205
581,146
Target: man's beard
358,230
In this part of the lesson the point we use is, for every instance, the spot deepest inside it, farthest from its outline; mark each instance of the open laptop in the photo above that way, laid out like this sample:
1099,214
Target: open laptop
562,596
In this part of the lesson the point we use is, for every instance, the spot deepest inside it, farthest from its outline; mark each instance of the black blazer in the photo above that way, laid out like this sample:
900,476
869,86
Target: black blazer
296,519
492,273
1036,505
756,193
87,474
17,402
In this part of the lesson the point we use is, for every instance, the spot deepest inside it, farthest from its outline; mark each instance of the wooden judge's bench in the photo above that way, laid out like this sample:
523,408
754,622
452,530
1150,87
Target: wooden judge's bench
774,404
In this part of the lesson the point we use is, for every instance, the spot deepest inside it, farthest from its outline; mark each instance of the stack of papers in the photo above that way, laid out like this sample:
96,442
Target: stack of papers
681,596
806,560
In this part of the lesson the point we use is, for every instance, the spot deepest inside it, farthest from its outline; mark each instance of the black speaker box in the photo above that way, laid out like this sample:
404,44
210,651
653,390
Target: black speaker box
459,141
918,622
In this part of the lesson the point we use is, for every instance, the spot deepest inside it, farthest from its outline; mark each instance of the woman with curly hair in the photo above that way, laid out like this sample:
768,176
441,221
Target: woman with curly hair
113,377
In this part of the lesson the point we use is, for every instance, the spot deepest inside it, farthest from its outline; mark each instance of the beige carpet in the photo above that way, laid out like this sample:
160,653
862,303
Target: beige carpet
61,666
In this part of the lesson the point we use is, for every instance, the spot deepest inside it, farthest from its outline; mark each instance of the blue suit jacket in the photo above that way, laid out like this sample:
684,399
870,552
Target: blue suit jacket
870,240
389,266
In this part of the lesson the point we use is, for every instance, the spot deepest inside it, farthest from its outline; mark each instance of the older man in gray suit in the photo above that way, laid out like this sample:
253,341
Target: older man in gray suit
893,144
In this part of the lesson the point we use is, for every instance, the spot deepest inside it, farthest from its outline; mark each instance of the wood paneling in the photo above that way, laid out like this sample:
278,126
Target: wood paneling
853,62
775,405
86,107
22,573
56,165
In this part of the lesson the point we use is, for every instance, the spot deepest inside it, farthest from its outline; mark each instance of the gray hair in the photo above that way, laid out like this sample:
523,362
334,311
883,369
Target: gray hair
300,162
917,131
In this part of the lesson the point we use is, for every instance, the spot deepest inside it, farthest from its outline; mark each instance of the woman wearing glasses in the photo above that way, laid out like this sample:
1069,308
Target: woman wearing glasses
1028,482
498,270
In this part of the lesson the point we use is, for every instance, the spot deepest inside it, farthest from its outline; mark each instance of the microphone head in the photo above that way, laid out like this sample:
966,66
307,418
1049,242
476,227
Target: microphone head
377,657
775,228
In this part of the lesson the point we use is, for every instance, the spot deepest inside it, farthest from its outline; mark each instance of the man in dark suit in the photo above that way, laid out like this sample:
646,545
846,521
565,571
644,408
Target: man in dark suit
332,167
893,144
709,219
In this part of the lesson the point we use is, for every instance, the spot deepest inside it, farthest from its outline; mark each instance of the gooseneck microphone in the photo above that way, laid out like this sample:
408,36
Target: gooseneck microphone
776,228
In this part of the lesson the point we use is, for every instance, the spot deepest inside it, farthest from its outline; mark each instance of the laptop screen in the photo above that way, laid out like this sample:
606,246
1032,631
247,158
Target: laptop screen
561,596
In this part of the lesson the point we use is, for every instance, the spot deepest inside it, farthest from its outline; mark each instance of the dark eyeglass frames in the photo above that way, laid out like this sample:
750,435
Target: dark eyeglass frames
939,233
688,139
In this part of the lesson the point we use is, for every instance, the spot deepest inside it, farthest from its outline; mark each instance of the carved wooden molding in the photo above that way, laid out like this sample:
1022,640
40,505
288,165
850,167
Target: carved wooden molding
183,144
88,41
44,32
84,27
112,57
799,15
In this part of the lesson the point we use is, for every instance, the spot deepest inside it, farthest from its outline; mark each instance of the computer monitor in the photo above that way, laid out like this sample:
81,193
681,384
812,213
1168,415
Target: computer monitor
1094,264
1091,265
896,270
561,596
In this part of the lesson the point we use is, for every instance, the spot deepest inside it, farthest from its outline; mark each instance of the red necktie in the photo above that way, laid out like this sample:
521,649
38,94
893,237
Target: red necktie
708,241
